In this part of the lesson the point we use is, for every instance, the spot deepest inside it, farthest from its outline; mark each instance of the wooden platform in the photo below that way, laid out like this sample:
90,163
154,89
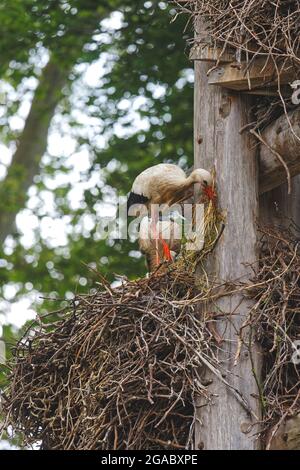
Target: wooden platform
260,77
242,77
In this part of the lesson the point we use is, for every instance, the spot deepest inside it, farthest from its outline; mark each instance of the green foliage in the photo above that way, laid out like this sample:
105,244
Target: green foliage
147,73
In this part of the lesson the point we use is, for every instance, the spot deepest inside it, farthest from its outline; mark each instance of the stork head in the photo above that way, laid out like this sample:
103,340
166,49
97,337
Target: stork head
204,179
201,176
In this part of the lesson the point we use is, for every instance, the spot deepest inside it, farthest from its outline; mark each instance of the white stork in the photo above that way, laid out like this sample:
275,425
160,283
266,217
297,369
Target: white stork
168,184
165,183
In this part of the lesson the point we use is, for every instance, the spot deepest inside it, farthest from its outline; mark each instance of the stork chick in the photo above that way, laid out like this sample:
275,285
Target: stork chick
164,242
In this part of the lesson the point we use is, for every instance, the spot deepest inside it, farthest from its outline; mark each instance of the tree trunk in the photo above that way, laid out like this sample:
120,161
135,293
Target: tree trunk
225,423
32,143
31,146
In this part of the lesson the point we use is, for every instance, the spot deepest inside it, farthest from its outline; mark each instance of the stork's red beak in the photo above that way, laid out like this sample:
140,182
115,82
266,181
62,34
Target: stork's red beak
209,192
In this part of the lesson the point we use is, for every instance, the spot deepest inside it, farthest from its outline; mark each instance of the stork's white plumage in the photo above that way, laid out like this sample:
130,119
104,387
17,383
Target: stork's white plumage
165,183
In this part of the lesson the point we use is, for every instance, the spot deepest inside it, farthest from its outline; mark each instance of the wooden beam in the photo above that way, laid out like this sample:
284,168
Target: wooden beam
261,73
206,53
281,136
225,423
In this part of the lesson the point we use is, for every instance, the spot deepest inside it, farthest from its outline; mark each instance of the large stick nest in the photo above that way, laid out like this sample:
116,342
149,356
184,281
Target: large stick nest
119,371
255,27
123,368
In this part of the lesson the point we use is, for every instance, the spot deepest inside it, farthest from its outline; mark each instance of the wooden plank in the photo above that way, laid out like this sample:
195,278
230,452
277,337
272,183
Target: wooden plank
207,53
224,423
282,139
261,73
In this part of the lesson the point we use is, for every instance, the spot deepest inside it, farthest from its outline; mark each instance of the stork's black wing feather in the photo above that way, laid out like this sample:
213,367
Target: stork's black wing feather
134,198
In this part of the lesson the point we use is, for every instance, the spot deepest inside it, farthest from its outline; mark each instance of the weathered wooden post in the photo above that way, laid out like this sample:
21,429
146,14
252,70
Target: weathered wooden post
251,182
219,115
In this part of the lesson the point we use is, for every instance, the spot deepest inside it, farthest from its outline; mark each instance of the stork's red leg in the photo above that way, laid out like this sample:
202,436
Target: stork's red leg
167,251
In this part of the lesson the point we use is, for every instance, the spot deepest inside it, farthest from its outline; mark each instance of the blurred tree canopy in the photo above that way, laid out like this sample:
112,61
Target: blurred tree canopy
109,82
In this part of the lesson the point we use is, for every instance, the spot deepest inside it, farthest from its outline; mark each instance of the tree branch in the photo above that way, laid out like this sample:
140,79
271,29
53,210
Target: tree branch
31,146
